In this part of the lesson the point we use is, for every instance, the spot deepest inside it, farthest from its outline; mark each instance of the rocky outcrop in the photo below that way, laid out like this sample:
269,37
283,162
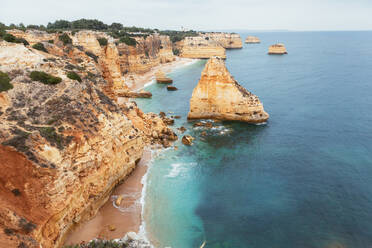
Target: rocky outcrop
63,147
252,40
226,40
200,48
219,96
161,78
277,49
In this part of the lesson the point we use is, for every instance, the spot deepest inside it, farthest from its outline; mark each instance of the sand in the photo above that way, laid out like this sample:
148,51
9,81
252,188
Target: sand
137,82
123,220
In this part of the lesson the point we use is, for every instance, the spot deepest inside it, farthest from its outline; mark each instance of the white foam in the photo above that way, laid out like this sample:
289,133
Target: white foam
179,169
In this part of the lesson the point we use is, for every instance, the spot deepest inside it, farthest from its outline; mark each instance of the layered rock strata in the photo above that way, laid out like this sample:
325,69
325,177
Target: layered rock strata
226,40
219,96
63,147
252,40
277,49
200,48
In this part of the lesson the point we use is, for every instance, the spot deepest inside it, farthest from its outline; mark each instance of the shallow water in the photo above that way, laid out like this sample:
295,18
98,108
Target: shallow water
301,180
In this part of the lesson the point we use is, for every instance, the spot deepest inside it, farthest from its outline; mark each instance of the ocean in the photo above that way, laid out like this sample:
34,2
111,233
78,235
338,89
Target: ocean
303,179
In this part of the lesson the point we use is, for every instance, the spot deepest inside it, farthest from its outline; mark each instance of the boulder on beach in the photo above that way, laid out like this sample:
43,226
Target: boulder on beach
277,49
161,78
219,96
252,40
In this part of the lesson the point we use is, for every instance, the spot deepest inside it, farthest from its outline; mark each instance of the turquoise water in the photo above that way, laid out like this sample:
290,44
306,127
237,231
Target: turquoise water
301,180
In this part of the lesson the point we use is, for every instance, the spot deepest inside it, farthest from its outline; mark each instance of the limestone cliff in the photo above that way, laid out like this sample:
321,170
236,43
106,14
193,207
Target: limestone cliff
114,60
277,49
219,96
63,147
148,53
252,40
226,40
200,48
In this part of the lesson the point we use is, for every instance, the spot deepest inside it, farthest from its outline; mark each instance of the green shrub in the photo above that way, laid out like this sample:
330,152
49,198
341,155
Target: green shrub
11,38
49,133
5,82
74,76
176,51
65,39
102,41
51,41
128,40
93,56
45,78
39,46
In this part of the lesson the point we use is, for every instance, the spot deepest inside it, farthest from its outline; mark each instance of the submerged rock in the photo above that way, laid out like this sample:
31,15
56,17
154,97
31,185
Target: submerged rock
277,49
219,96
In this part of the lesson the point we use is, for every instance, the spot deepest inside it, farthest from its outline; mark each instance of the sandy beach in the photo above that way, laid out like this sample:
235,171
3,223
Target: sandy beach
113,221
137,82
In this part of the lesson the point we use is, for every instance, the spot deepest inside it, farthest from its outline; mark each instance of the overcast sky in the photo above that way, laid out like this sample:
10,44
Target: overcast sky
199,14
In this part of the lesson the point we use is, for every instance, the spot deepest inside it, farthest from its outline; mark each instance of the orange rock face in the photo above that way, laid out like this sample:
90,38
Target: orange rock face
219,96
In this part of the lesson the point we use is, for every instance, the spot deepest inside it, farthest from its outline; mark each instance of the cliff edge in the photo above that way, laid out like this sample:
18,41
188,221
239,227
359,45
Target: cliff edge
219,96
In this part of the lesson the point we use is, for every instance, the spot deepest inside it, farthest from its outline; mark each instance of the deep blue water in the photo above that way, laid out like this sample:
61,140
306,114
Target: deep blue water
301,180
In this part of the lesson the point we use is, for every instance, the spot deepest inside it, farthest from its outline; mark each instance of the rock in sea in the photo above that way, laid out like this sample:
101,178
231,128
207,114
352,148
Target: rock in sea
277,49
252,40
219,96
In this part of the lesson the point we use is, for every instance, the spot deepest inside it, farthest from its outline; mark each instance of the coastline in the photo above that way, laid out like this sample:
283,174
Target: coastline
111,221
114,222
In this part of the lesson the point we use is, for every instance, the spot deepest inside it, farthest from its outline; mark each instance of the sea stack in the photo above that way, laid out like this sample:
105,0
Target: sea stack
252,40
277,49
161,78
219,96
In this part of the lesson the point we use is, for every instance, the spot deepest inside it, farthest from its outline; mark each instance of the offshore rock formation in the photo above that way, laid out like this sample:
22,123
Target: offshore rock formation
200,48
63,147
219,96
252,40
277,49
226,40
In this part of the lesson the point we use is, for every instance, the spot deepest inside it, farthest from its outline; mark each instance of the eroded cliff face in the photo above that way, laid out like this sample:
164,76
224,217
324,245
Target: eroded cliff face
114,60
226,40
63,147
148,53
219,96
200,48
